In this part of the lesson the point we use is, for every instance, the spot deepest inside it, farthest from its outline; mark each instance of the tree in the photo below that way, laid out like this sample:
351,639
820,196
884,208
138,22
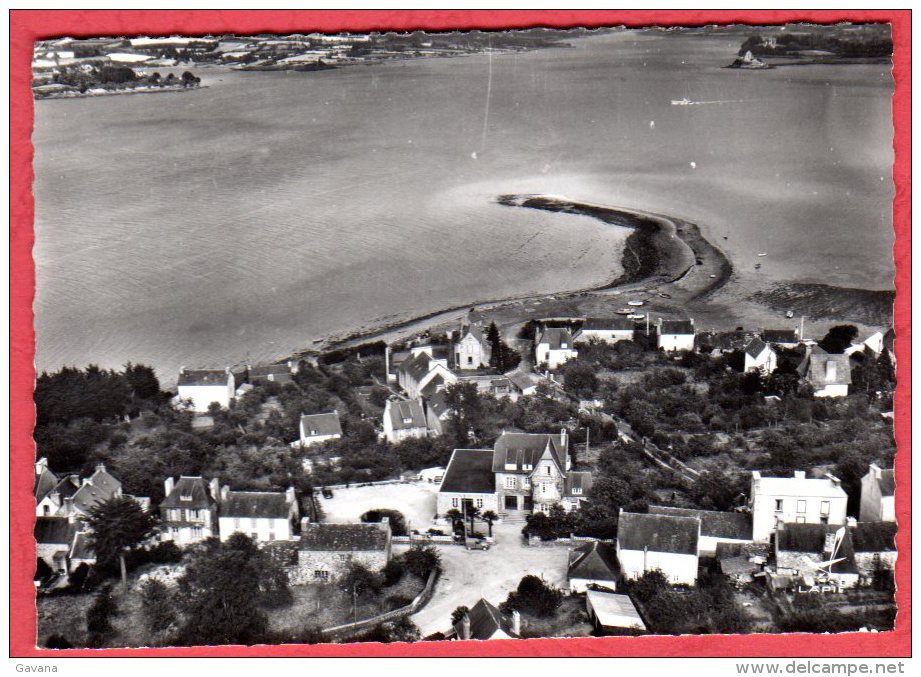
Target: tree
189,80
143,381
117,525
489,516
159,611
57,641
579,379
225,584
394,517
534,596
359,580
458,614
472,513
99,615
420,560
467,412
838,338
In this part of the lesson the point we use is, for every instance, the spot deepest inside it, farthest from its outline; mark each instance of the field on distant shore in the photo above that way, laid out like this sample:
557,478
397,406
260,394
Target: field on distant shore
242,221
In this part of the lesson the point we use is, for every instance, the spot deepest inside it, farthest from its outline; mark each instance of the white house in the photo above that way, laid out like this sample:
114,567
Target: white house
715,526
204,387
877,495
795,500
829,374
554,347
676,335
669,543
760,356
416,371
189,511
404,419
265,516
608,330
472,350
468,482
592,564
318,428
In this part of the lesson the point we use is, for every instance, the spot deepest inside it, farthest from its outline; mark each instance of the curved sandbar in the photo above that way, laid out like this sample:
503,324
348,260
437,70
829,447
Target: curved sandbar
661,252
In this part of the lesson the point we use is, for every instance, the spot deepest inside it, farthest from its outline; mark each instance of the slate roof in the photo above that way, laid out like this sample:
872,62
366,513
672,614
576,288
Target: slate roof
874,536
555,337
724,340
44,484
469,471
577,479
410,410
203,377
779,336
54,531
521,449
196,487
436,383
755,347
813,368
477,332
100,488
802,488
593,561
658,533
734,525
607,324
267,504
680,327
810,538
68,486
315,425
438,404
416,367
344,537
280,373
521,379
81,548
886,482
485,621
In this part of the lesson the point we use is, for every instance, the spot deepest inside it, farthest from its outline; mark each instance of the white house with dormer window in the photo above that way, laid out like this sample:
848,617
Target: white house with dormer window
795,500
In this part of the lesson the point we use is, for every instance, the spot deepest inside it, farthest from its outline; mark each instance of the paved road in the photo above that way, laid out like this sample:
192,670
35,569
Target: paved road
471,574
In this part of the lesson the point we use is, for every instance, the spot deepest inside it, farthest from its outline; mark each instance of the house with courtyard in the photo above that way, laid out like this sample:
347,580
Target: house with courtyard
468,482
592,565
403,419
204,387
189,512
760,356
795,500
318,428
606,330
264,516
675,335
484,621
553,347
472,349
715,526
325,551
668,543
877,495
829,374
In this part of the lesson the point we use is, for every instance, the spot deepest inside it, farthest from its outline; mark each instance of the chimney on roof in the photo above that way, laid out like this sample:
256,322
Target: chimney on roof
68,510
290,497
225,492
100,467
465,627
834,480
564,438
168,485
799,474
875,471
304,522
41,465
516,623
215,486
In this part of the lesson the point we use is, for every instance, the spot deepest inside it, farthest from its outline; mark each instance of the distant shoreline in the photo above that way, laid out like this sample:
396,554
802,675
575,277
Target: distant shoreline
113,92
660,251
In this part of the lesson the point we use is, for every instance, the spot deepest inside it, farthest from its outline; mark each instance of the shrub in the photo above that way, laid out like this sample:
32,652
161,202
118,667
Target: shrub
159,613
57,641
534,596
420,560
395,517
393,572
98,616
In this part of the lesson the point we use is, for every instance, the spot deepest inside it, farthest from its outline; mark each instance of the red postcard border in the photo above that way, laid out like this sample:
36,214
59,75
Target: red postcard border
26,26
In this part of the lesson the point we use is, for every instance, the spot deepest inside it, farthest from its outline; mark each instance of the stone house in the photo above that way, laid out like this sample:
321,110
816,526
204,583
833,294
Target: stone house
795,500
265,516
553,347
530,470
668,543
325,551
189,512
468,482
607,330
676,335
54,537
877,495
874,548
404,419
318,428
204,387
577,484
715,526
760,356
592,564
472,350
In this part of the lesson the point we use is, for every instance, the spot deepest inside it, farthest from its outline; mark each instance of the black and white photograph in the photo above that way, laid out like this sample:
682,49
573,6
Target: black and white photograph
467,335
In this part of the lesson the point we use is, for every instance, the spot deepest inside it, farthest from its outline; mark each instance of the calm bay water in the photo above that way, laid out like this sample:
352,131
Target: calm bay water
242,221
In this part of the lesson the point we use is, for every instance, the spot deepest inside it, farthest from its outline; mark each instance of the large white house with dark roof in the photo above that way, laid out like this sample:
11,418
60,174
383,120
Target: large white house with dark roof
794,500
715,526
404,419
877,495
676,335
553,346
668,543
204,387
265,516
472,350
318,428
189,510
760,356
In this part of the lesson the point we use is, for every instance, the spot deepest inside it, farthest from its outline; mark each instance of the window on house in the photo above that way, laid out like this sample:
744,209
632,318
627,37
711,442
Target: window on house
801,519
826,508
254,523
46,509
454,503
191,515
801,506
254,536
479,503
563,346
407,420
271,535
778,504
510,483
548,469
824,519
576,490
546,357
321,574
236,523
526,482
470,360
197,532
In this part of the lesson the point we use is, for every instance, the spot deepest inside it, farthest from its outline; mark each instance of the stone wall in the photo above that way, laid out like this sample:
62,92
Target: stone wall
311,561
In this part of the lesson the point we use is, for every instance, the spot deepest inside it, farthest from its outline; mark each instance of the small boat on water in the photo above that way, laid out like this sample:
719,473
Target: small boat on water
762,253
638,316
634,303
624,311
684,101
789,313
